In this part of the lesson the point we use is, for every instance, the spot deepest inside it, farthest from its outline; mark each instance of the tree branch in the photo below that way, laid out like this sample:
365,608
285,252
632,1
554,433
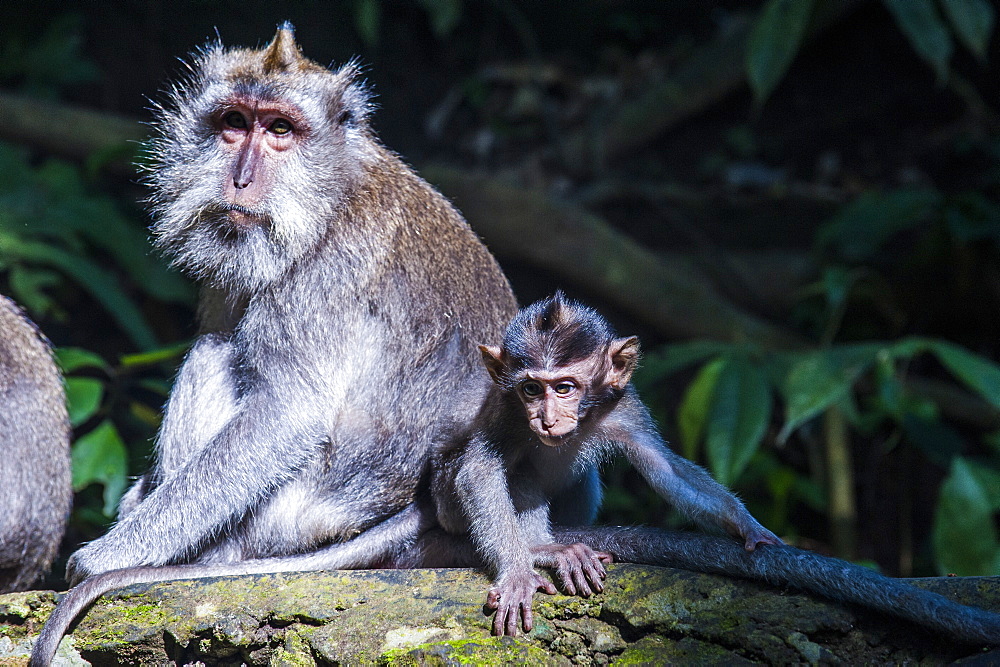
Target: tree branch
581,247
71,132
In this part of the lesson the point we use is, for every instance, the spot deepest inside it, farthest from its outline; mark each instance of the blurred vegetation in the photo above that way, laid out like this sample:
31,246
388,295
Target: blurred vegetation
706,134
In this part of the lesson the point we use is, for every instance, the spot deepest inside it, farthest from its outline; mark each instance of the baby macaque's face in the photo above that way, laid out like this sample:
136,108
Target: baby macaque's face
552,402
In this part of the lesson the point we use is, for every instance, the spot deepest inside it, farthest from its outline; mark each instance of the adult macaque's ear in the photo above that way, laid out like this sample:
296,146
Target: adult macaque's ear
493,360
623,353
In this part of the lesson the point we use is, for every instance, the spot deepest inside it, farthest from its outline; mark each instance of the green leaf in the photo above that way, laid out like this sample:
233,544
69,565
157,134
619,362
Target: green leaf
101,283
668,359
977,372
989,481
29,286
890,393
83,398
153,357
70,214
928,35
145,414
964,534
837,284
972,216
158,386
861,228
99,457
692,414
973,23
820,379
774,41
53,60
74,358
992,440
739,416
938,441
909,347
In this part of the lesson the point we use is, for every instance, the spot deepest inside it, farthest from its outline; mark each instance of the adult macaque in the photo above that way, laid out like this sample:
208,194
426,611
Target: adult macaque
35,491
342,301
343,298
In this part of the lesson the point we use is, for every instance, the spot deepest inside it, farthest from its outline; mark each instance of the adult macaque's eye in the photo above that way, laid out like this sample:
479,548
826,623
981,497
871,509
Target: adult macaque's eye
280,126
531,389
235,120
564,388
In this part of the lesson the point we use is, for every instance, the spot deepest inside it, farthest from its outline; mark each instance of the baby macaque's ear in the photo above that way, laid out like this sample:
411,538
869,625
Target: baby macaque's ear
494,362
623,353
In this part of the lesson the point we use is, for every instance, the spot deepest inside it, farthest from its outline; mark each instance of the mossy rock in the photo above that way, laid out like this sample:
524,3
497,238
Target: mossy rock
646,615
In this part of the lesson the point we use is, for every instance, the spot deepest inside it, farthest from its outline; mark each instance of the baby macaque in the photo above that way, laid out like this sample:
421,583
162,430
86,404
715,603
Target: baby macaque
560,404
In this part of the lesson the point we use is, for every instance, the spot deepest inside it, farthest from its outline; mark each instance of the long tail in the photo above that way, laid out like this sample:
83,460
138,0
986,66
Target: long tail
787,566
82,596
378,544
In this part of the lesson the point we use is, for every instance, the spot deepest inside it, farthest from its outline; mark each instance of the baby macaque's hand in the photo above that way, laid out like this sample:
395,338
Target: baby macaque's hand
579,568
511,597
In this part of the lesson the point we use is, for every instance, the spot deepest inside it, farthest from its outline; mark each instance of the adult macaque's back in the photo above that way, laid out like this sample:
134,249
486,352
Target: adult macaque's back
343,299
35,492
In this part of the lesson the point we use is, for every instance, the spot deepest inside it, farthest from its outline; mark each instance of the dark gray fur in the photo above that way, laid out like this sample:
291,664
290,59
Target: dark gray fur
35,492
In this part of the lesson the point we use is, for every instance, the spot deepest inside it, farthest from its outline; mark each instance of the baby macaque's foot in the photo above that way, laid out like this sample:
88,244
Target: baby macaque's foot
511,597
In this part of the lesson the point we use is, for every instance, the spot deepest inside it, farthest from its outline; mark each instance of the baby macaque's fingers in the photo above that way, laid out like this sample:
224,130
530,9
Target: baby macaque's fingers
511,598
499,621
597,565
581,579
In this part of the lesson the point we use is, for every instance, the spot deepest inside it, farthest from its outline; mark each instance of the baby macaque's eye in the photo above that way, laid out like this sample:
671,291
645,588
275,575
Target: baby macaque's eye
531,389
564,388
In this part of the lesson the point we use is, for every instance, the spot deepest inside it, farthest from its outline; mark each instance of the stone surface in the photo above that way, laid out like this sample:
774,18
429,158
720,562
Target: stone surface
647,615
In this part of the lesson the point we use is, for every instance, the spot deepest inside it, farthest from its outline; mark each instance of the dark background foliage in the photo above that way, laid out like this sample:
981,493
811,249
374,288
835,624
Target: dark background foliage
793,203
